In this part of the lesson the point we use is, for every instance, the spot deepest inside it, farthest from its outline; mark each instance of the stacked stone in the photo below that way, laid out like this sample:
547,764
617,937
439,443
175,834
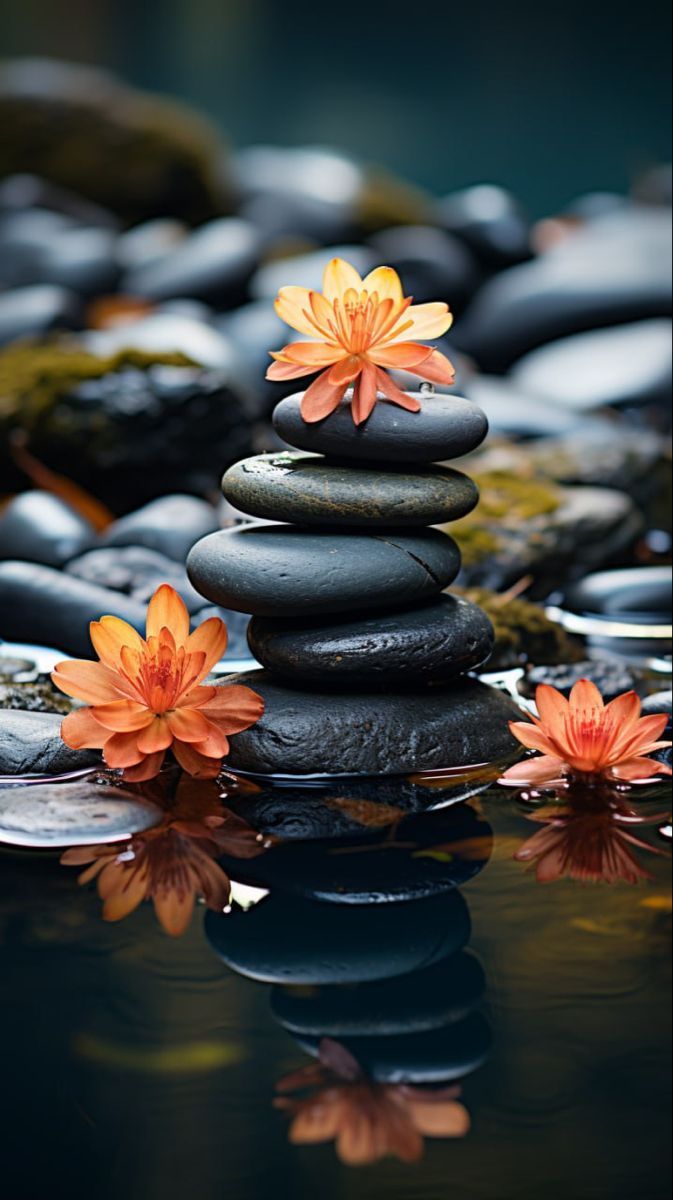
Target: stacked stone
364,654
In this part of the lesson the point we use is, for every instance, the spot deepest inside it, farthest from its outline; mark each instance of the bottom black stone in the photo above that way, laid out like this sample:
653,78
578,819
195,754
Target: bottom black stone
372,733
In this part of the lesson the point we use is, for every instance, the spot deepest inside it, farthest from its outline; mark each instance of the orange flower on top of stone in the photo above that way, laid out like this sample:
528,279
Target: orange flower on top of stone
359,327
146,695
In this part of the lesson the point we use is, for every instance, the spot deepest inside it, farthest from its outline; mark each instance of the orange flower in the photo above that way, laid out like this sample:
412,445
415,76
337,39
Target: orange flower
588,839
174,862
585,737
359,327
145,693
368,1120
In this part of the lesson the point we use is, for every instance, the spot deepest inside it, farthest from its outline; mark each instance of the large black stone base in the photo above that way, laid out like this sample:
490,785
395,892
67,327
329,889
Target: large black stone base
372,733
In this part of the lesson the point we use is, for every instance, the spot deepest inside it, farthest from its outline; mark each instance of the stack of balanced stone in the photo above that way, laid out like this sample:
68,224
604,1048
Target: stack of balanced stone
364,655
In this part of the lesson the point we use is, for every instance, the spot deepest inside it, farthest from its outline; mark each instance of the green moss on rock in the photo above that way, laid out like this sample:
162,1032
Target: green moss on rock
523,632
505,501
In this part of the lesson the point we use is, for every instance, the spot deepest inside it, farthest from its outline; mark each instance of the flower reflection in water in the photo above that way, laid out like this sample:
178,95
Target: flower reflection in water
173,863
588,836
366,1119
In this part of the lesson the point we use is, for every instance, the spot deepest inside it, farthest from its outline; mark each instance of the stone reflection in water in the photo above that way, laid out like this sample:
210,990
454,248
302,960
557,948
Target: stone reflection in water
363,938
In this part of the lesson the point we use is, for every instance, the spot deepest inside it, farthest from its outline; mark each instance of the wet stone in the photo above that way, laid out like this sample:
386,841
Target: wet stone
429,644
30,744
309,490
611,678
34,311
637,594
437,1056
48,607
425,999
431,262
213,264
373,733
279,570
39,527
287,941
170,525
445,428
136,571
78,813
415,857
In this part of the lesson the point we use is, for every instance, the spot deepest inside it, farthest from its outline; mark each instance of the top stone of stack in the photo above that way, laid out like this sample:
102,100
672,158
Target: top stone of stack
446,427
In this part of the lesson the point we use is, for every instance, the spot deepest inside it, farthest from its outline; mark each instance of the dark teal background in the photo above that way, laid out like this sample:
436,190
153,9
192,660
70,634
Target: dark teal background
548,99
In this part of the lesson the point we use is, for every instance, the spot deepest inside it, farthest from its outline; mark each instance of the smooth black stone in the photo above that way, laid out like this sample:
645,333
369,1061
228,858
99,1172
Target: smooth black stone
306,270
629,365
287,941
136,571
39,527
445,428
39,605
389,733
433,264
149,241
213,264
661,702
33,311
30,744
430,644
25,191
611,678
437,1056
304,191
613,271
514,414
416,857
83,260
309,490
171,525
491,222
638,594
348,808
282,570
427,999
78,812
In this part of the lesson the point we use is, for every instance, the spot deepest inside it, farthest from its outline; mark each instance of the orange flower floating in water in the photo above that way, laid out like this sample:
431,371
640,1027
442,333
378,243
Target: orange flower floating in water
590,840
174,862
359,327
583,737
368,1120
146,694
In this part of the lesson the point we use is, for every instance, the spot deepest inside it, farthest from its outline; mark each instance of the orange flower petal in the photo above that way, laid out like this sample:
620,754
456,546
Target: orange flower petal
321,399
215,744
209,639
280,371
395,394
312,354
346,370
553,709
533,737
642,736
109,635
545,769
147,769
291,306
585,696
198,765
121,750
364,398
157,736
88,681
429,320
437,369
338,277
401,356
122,716
168,610
234,707
386,283
640,769
196,697
81,731
188,724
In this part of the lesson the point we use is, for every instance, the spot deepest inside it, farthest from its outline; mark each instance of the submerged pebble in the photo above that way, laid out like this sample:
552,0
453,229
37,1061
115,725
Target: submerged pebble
78,813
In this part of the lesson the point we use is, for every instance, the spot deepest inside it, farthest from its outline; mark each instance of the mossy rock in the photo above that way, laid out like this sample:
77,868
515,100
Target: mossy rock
136,154
34,697
523,632
127,428
506,501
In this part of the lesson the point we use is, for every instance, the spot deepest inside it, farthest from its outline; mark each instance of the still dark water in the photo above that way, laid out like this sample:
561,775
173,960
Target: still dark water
140,1066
